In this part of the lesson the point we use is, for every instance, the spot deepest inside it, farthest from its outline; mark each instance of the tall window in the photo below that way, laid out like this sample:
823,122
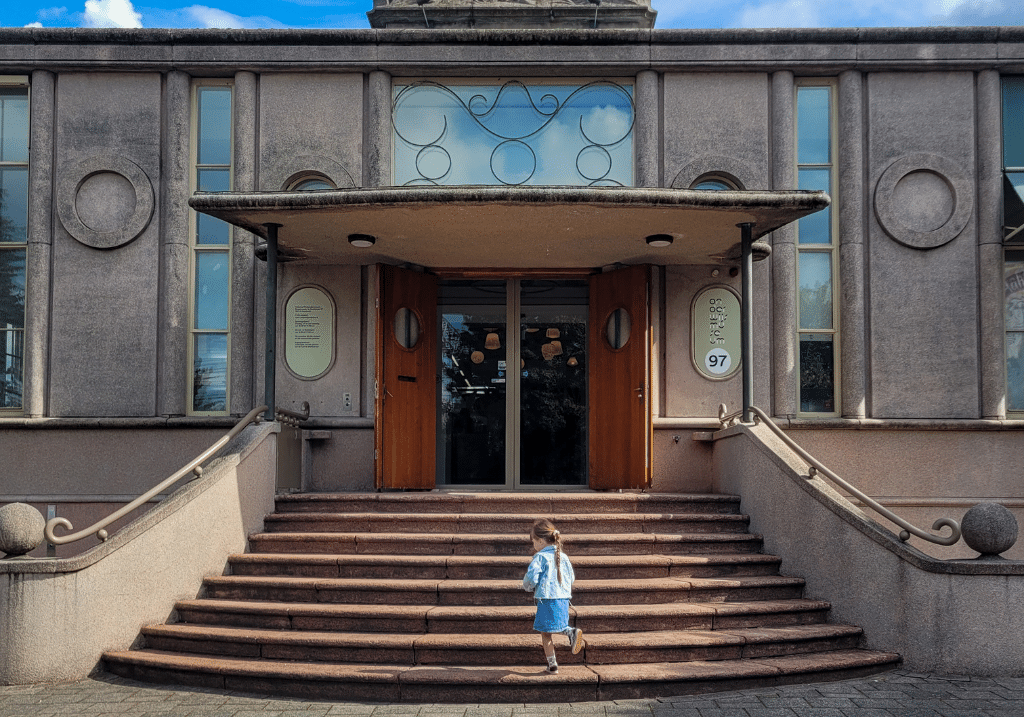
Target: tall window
1013,237
817,318
566,133
13,237
211,253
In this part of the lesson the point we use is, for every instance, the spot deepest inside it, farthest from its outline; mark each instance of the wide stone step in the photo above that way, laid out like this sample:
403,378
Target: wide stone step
466,567
378,682
496,650
484,544
499,592
497,619
571,525
538,504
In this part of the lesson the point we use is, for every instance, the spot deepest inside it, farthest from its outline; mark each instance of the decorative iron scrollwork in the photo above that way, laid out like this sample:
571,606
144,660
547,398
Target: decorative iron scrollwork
511,130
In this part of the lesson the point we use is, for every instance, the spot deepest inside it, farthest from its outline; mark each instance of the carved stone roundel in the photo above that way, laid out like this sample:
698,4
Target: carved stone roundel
923,200
105,201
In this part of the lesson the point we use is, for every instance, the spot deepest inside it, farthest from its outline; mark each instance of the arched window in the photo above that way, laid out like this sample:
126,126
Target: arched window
714,183
311,182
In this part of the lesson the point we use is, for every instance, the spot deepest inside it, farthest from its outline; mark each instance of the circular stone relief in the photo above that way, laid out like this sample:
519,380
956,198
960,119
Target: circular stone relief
923,201
105,201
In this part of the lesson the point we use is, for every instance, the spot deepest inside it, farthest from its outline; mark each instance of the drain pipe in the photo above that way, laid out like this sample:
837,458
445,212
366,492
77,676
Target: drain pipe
747,317
270,356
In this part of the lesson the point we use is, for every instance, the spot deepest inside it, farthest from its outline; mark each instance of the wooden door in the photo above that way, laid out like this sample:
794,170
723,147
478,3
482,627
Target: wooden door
620,380
406,391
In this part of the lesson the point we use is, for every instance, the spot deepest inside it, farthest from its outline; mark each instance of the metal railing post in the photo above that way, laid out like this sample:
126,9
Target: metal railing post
747,317
270,358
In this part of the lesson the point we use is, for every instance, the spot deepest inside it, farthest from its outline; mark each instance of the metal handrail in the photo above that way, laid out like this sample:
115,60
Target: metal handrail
194,466
292,418
816,467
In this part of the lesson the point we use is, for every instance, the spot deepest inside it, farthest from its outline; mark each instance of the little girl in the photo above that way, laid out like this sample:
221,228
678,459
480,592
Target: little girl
550,576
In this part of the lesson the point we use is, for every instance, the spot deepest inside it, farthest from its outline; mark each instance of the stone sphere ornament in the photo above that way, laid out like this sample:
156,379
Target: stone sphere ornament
989,528
21,529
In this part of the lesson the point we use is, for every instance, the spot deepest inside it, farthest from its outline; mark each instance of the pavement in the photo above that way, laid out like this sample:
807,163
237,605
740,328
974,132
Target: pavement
893,694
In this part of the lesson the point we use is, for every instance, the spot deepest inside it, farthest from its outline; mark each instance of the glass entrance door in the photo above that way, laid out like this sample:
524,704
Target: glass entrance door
513,383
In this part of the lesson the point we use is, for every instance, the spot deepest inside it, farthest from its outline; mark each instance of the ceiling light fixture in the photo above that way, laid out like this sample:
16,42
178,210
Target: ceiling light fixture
362,241
659,240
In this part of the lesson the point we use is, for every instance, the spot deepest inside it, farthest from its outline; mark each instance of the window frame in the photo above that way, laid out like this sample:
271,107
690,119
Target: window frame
1009,248
196,249
831,248
20,81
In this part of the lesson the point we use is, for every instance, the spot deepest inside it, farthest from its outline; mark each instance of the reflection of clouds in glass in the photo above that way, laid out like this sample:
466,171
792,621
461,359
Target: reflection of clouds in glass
607,124
426,114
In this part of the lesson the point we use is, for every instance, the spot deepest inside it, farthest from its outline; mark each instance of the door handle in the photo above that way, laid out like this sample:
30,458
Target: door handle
639,392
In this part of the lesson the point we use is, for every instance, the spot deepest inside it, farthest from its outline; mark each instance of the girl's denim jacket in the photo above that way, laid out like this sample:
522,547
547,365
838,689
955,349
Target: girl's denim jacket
542,577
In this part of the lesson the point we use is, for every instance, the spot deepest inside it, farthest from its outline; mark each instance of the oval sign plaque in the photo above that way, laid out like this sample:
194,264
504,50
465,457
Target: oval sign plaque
715,327
309,332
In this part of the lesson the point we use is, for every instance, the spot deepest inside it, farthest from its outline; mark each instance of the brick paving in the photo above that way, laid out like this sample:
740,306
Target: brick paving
894,694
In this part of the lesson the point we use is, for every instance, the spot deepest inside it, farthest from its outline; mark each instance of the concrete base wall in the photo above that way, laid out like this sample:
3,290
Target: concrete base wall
959,617
47,463
923,475
58,616
338,460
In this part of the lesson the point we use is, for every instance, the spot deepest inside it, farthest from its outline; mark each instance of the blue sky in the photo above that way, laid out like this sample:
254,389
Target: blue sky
352,13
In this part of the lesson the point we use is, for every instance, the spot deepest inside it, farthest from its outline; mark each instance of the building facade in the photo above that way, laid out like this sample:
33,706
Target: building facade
509,258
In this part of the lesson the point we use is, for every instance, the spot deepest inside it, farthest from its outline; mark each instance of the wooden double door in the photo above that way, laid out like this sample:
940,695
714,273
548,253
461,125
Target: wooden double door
508,383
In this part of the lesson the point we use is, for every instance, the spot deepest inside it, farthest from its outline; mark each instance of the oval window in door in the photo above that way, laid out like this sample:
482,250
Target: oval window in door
617,330
407,328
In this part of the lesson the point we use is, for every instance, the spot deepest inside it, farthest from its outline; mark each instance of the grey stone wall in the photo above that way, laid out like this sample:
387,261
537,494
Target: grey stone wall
923,302
326,395
712,123
103,353
310,123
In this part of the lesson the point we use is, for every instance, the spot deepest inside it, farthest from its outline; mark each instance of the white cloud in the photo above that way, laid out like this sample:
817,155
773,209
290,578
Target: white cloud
111,13
204,16
789,13
980,12
34,24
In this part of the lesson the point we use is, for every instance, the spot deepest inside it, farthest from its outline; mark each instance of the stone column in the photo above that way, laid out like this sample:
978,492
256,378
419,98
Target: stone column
172,337
647,129
377,171
40,243
851,294
243,291
783,176
990,246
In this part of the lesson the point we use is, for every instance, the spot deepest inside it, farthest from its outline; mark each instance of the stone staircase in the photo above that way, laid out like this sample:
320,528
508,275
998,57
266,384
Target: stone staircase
416,597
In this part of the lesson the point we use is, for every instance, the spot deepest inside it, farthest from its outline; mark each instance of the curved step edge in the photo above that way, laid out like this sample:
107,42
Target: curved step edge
518,684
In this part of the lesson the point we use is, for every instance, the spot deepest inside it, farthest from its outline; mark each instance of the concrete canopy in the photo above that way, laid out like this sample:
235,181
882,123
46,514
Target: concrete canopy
511,227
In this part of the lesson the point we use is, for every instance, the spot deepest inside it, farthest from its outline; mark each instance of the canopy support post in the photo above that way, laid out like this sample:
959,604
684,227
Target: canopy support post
747,317
270,355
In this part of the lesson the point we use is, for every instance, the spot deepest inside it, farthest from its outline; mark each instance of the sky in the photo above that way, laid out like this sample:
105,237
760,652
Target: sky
352,13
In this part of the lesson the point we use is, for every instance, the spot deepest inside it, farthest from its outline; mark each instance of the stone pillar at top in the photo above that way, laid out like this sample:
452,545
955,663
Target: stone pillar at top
40,242
647,129
852,334
990,245
377,172
172,338
783,176
243,292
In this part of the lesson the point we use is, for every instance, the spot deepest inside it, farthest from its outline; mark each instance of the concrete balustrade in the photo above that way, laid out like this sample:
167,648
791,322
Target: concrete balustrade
944,616
58,616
